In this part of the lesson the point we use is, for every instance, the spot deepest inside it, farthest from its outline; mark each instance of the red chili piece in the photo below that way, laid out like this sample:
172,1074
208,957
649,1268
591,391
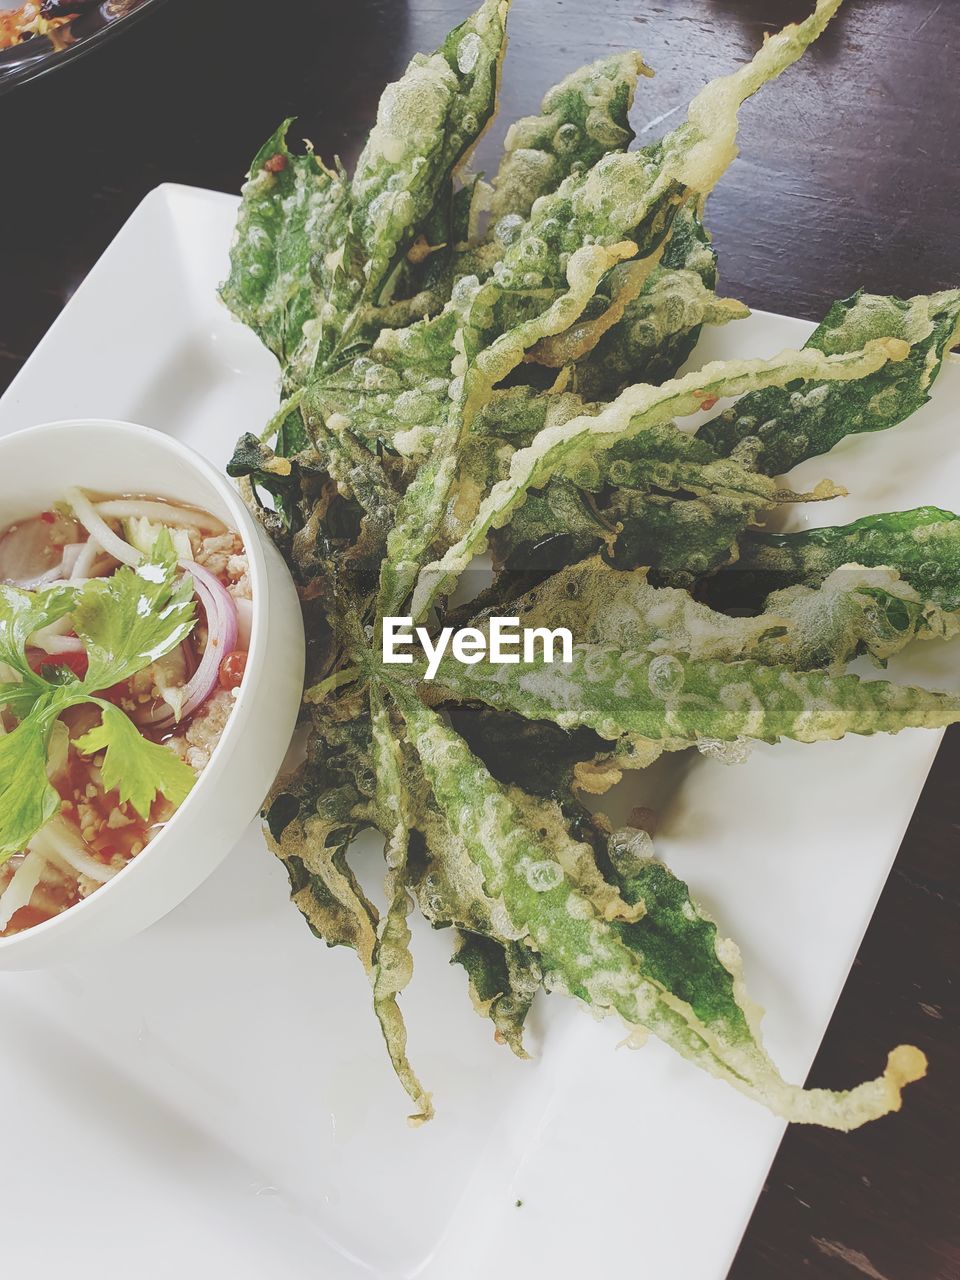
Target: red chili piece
232,669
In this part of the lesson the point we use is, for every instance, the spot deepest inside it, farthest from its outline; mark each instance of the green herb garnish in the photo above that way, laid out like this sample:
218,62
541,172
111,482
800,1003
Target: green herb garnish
127,622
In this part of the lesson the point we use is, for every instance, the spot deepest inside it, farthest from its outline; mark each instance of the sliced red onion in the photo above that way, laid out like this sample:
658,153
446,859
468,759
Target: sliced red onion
54,644
98,528
71,554
222,629
162,512
44,580
85,560
60,843
245,621
26,550
20,889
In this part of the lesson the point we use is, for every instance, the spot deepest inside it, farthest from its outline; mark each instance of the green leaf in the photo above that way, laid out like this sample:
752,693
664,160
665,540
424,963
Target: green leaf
602,606
24,612
636,195
660,328
503,981
922,545
20,698
679,943
139,770
292,210
392,963
266,470
311,817
581,119
855,610
27,800
782,426
426,123
134,617
395,393
448,387
428,499
565,449
677,701
596,959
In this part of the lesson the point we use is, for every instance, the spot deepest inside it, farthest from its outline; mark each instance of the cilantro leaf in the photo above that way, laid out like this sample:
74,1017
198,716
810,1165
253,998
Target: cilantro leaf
19,698
134,617
24,612
27,800
135,767
21,614
126,622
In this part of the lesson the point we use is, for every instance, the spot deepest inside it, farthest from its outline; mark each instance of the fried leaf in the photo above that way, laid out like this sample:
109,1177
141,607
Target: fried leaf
783,426
292,208
392,966
591,959
426,123
660,327
562,450
311,818
427,500
503,981
680,701
449,385
603,606
581,119
855,611
922,545
637,194
563,243
395,393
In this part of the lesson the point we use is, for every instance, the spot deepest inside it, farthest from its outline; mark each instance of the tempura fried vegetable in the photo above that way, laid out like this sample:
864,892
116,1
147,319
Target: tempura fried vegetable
660,327
677,701
606,962
581,119
426,124
561,450
780,427
856,610
292,207
922,545
465,364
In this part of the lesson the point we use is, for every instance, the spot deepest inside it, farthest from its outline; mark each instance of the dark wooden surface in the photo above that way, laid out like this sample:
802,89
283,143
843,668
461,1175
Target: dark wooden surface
849,176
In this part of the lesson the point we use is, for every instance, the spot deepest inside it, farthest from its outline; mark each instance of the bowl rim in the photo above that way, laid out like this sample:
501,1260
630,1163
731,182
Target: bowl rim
243,523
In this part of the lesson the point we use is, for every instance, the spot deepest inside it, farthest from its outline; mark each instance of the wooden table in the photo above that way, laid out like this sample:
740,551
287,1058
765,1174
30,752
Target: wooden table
850,176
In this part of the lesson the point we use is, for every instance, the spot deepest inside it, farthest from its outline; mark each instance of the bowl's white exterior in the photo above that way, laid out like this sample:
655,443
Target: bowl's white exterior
119,458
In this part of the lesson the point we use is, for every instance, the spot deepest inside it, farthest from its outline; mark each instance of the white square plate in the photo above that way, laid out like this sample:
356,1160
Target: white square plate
213,1097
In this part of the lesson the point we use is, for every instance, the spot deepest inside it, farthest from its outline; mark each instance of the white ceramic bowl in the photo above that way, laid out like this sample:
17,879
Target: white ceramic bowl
36,466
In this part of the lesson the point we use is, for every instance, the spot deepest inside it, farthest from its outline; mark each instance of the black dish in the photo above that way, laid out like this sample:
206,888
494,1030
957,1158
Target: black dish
94,23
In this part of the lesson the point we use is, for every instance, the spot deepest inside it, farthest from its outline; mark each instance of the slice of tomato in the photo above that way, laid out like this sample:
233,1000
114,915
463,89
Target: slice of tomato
75,662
